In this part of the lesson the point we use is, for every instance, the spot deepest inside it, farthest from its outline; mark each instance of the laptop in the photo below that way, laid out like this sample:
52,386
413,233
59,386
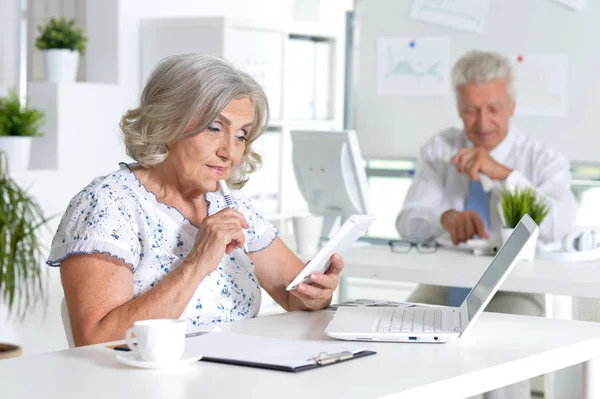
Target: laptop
431,323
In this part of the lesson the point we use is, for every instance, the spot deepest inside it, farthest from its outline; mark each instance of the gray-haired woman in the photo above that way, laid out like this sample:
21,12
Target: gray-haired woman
156,239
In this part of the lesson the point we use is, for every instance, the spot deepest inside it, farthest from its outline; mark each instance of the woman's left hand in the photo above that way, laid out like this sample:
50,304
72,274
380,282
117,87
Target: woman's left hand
318,294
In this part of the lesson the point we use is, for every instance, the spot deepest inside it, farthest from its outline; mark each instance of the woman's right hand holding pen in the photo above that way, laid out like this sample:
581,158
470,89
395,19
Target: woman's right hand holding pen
218,234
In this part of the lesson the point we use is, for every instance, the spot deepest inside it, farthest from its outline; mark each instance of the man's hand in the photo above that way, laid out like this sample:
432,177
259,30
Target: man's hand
472,161
463,226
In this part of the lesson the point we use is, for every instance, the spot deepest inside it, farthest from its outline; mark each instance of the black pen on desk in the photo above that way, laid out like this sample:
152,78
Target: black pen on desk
229,202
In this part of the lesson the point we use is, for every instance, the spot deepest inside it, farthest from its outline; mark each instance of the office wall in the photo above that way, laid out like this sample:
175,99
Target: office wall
10,12
112,51
396,126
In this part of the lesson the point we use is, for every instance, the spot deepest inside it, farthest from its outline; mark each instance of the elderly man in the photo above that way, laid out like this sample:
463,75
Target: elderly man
447,195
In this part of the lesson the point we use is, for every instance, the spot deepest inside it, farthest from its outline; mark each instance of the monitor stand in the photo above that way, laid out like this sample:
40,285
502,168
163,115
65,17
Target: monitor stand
331,224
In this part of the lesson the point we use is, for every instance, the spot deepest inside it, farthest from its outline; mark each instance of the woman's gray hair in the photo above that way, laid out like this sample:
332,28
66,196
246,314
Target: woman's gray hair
191,90
480,67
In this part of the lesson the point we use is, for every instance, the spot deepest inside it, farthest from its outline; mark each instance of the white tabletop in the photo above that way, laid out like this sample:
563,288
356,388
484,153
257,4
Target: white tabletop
459,268
500,350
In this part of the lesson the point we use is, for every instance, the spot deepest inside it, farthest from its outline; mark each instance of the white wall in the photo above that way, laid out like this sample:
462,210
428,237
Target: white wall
113,52
111,55
10,11
394,126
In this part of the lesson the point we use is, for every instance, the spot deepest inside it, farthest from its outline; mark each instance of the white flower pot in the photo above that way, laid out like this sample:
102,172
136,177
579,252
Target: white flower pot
17,150
61,65
528,251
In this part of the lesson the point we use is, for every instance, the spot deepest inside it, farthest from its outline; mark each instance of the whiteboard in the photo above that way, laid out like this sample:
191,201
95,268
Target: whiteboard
394,126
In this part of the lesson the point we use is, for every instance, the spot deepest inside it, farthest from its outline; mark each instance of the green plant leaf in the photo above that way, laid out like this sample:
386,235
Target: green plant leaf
18,119
61,34
520,202
22,282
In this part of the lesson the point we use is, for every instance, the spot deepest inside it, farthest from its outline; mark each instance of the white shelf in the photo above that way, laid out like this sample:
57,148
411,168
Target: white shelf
312,30
74,122
265,51
325,124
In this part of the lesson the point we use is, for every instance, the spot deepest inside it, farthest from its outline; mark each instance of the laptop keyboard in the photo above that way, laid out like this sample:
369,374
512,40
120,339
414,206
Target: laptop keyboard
416,320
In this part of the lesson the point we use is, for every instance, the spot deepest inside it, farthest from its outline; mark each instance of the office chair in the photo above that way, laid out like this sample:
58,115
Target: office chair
64,312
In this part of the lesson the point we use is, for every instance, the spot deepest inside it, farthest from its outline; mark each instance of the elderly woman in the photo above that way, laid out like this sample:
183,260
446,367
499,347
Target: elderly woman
156,239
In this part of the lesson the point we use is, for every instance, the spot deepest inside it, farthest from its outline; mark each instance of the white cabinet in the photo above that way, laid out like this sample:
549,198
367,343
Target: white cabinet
308,78
299,82
255,49
264,185
300,67
259,53
323,82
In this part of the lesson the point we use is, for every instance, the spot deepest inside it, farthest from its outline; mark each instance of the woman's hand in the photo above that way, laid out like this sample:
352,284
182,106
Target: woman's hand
318,295
218,234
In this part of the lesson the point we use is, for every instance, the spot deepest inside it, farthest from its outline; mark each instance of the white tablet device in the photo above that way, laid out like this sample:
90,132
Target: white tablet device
351,230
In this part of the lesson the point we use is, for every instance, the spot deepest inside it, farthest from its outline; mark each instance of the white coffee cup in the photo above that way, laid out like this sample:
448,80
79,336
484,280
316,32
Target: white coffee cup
307,231
160,340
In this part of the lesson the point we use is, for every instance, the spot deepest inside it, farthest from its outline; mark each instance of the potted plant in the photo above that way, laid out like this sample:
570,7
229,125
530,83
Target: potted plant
514,205
18,125
22,283
62,42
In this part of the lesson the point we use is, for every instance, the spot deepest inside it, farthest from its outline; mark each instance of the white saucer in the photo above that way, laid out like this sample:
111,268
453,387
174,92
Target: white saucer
133,359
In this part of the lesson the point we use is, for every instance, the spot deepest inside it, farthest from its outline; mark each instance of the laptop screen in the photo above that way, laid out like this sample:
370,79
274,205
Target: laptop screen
501,263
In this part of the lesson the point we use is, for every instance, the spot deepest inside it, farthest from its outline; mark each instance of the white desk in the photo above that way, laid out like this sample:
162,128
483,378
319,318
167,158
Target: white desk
457,268
500,350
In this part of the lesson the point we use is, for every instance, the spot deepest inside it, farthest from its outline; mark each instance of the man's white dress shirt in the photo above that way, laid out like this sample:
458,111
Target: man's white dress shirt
438,187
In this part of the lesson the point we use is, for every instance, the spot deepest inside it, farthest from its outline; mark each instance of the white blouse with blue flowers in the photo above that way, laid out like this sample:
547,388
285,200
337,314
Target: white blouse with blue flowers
116,215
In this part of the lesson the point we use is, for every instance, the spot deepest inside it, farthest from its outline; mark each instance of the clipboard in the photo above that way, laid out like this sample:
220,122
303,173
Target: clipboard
268,353
322,360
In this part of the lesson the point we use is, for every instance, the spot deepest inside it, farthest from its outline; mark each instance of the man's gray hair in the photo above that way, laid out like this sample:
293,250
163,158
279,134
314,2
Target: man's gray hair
189,91
479,67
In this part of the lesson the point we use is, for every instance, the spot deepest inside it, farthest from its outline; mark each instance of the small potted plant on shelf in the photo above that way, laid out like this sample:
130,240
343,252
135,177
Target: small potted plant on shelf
22,283
19,124
62,42
514,205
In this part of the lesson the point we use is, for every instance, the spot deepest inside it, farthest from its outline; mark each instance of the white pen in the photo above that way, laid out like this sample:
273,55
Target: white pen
229,202
486,182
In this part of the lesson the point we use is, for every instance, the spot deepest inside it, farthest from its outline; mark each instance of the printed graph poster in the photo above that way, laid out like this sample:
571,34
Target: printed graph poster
467,15
413,66
542,84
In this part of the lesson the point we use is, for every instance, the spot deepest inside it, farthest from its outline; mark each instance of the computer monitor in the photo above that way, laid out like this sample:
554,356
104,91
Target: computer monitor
330,174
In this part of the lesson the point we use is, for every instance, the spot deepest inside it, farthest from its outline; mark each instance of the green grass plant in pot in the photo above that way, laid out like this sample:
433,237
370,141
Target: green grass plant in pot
62,43
514,204
19,124
22,273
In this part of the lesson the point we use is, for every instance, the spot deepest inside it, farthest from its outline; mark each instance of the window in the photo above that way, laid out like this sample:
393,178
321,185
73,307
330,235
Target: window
586,187
389,181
